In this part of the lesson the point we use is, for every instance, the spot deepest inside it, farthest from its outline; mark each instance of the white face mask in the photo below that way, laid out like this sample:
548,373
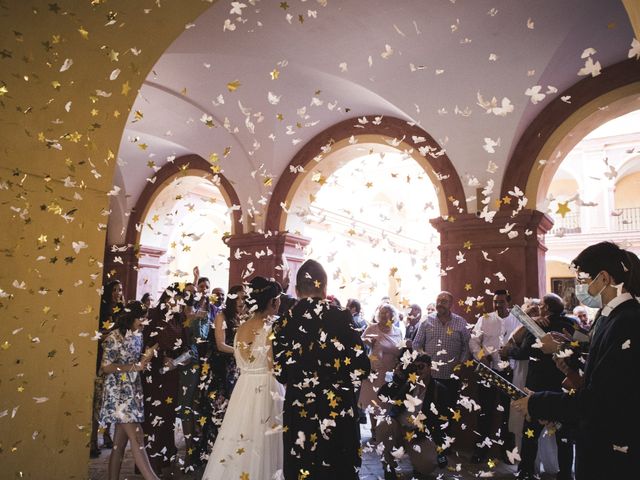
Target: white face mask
584,297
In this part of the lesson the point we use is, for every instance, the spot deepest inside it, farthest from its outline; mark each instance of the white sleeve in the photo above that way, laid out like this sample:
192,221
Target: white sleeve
475,342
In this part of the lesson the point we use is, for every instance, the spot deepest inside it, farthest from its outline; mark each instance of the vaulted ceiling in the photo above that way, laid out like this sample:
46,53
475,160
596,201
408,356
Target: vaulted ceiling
259,79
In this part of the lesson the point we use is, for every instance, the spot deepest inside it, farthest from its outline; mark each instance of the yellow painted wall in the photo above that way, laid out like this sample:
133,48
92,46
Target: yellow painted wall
566,187
48,301
626,193
557,269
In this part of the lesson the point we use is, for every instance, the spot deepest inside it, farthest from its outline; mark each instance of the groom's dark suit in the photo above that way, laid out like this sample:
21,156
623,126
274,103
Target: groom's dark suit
319,356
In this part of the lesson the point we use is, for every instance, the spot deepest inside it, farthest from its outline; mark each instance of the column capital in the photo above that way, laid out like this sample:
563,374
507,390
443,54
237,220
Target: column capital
255,253
473,250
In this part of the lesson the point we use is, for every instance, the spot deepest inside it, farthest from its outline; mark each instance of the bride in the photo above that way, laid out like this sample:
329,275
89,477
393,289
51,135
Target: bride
249,444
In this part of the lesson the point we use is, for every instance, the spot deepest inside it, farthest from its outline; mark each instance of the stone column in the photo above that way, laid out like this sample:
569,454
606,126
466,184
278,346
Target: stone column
517,264
254,254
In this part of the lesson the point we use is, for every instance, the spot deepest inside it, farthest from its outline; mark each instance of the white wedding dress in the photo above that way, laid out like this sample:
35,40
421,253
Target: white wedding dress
249,444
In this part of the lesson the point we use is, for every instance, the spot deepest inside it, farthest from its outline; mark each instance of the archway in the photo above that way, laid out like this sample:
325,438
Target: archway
371,232
387,131
560,126
306,195
142,249
184,227
592,196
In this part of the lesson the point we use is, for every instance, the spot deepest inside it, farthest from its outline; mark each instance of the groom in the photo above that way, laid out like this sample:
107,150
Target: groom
319,356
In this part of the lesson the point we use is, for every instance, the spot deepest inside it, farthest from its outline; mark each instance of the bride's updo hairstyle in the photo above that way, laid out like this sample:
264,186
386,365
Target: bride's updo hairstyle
260,292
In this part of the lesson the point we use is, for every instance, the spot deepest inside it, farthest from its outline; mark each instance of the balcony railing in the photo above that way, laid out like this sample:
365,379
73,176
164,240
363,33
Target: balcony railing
626,219
622,220
567,225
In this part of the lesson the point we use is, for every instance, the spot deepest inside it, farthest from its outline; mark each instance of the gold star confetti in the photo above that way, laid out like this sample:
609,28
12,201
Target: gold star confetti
83,33
529,433
125,90
563,208
233,86
274,74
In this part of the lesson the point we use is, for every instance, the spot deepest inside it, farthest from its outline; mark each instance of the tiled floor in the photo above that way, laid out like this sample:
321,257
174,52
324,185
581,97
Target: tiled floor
459,468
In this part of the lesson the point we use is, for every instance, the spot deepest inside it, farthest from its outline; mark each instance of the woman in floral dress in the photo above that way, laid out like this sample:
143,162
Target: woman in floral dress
111,305
122,399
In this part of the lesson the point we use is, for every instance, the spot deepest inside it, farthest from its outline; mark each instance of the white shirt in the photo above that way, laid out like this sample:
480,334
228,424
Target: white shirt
608,308
491,332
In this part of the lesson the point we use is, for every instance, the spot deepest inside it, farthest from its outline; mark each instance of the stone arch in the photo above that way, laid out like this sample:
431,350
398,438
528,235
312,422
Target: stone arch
185,165
437,166
560,126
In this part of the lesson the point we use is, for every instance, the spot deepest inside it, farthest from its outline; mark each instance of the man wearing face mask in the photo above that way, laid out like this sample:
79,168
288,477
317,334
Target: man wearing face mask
606,407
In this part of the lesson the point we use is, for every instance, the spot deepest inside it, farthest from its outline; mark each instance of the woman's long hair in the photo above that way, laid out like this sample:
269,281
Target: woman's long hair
230,309
106,301
129,314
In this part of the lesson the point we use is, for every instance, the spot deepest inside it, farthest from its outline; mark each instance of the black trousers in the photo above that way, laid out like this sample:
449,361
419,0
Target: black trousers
530,448
453,390
489,398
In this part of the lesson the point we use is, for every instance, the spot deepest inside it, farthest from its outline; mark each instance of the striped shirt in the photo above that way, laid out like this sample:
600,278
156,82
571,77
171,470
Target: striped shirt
447,344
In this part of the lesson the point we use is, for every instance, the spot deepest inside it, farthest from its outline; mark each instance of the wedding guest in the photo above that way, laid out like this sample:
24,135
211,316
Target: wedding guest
122,401
605,408
581,314
543,375
286,301
520,367
198,315
413,321
444,336
161,380
413,420
353,305
111,304
489,334
384,340
223,371
147,300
